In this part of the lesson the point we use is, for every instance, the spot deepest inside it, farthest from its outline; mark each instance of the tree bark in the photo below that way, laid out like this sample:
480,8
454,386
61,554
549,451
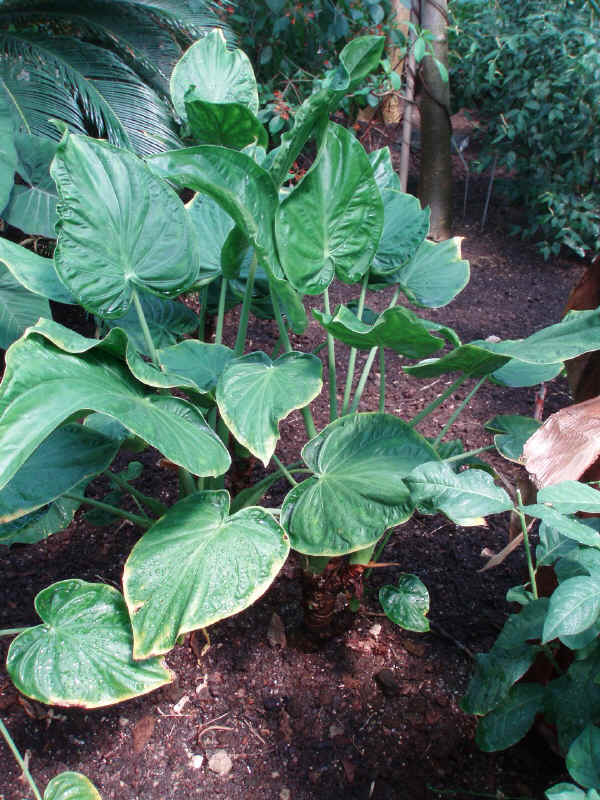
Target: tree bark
435,181
393,106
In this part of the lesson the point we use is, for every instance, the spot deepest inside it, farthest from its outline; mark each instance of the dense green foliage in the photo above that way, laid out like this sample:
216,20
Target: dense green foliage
531,73
209,555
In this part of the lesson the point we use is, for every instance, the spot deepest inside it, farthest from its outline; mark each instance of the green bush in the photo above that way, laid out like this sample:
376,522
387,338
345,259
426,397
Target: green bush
532,72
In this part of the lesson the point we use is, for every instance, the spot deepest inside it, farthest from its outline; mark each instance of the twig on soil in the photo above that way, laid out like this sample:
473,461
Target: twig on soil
214,728
436,628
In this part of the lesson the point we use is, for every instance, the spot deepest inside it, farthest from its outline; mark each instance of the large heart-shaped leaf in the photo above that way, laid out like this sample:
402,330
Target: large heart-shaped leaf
19,308
226,124
71,786
198,565
35,273
242,188
464,497
81,654
43,386
512,431
397,328
32,204
435,274
220,75
358,490
167,321
42,523
213,225
116,344
254,394
407,603
405,223
68,456
330,224
121,228
8,151
201,362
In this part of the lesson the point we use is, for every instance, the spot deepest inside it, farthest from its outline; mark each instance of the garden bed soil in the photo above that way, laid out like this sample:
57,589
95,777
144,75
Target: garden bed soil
374,711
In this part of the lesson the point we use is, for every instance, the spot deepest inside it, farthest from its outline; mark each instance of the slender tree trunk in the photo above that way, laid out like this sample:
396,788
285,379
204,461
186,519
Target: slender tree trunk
435,182
393,105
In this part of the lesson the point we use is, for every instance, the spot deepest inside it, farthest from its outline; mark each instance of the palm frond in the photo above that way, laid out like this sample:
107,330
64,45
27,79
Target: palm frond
89,88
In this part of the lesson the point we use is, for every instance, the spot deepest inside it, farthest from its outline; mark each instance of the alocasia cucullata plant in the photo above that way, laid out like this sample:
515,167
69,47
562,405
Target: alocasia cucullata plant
127,245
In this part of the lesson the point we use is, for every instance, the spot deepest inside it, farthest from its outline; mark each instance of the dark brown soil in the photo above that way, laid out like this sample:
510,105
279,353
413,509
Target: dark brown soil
374,713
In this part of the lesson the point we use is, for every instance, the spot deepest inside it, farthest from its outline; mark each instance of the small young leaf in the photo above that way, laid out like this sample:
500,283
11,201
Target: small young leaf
513,431
407,603
71,786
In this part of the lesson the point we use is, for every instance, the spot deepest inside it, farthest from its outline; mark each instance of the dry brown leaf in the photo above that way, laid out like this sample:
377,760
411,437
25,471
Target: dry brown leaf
566,445
142,732
276,632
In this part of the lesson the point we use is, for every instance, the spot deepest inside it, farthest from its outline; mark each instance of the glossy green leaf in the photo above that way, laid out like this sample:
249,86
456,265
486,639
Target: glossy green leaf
330,224
574,607
510,721
573,699
512,431
201,362
583,758
42,523
567,526
68,456
116,344
19,308
397,328
472,360
405,223
8,151
236,182
226,124
138,237
43,386
81,654
168,321
357,492
407,603
578,333
219,74
566,791
71,786
509,659
35,273
435,274
255,393
358,58
213,225
32,204
568,497
198,565
518,373
464,498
